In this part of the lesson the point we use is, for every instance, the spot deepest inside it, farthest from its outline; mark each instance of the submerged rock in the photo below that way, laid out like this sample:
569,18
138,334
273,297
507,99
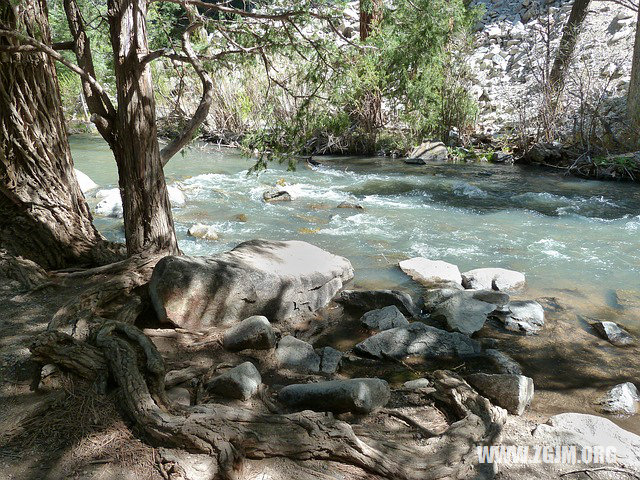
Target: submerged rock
463,313
240,382
375,299
206,232
622,399
279,196
298,355
493,279
357,395
512,392
253,332
384,318
525,316
418,339
281,280
614,333
429,272
86,184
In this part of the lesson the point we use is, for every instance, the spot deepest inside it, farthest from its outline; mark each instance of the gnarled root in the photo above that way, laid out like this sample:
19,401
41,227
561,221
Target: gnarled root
229,434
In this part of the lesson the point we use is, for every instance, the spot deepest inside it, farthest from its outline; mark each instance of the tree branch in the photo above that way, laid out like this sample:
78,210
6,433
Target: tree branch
200,115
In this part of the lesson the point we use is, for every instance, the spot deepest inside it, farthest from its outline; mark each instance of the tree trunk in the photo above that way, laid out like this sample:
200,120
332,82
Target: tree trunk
43,213
568,44
370,13
147,212
633,100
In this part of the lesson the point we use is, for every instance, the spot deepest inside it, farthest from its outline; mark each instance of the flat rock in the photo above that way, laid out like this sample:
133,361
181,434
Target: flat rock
512,392
525,316
206,232
330,359
430,272
628,299
614,333
357,395
493,279
463,313
281,280
254,332
374,299
622,399
418,339
240,382
298,355
384,318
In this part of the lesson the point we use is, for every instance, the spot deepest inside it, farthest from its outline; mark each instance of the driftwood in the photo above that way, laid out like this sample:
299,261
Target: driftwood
229,434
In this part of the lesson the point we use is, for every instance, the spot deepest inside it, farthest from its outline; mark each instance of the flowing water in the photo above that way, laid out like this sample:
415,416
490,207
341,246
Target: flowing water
577,241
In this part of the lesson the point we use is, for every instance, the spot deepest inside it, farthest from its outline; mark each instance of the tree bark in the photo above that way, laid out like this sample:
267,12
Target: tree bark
633,100
43,213
147,212
568,44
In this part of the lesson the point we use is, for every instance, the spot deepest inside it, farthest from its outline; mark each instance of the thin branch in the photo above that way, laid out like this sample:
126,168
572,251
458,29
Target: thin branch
199,117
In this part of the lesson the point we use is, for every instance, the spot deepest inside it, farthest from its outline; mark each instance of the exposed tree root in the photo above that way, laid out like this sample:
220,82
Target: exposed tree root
229,434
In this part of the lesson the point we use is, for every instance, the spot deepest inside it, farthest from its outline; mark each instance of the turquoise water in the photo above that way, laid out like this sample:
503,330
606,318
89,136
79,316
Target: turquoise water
569,236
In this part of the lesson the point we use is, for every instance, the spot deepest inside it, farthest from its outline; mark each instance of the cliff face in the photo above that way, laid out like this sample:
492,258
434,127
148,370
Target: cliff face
515,44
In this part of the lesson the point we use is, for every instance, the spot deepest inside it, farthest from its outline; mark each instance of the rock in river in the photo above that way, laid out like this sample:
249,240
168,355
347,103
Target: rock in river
86,184
428,152
513,392
525,316
240,382
384,318
622,399
493,279
418,339
206,232
279,196
253,332
614,333
429,272
374,299
463,313
358,395
280,280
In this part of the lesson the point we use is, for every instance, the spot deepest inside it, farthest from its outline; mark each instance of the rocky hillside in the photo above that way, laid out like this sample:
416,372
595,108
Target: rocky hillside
515,44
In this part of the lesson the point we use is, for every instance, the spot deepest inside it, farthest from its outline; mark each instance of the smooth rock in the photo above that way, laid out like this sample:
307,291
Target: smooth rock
298,355
416,384
614,333
429,272
206,232
279,196
492,279
384,318
463,314
430,152
357,395
86,184
110,204
179,395
622,399
281,280
330,359
586,431
374,299
251,333
240,382
525,316
355,206
176,196
418,339
512,392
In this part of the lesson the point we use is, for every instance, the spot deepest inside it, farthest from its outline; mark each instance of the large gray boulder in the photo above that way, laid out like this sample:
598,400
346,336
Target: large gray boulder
384,318
241,382
526,316
428,152
418,339
622,399
357,395
280,280
493,279
429,272
254,332
611,331
374,299
512,392
463,313
298,355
